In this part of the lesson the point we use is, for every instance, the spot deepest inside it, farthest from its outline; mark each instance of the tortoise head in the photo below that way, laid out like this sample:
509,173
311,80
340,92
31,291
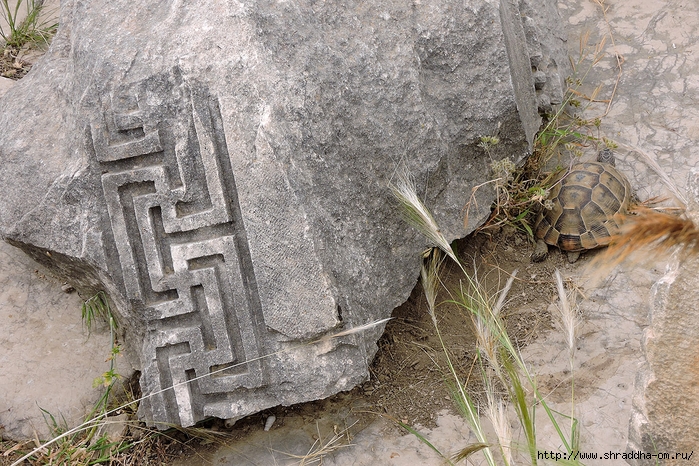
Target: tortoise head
606,156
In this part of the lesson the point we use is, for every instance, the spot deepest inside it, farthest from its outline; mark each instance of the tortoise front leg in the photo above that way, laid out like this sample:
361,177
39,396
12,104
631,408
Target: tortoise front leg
573,256
541,251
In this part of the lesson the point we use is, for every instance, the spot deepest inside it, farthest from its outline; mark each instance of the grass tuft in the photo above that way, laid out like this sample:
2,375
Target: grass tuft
321,448
497,357
28,31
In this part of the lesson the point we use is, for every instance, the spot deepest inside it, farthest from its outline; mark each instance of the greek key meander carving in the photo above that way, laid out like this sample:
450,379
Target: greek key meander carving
177,228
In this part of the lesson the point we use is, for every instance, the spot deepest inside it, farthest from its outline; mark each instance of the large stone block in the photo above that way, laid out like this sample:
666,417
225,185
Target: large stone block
220,168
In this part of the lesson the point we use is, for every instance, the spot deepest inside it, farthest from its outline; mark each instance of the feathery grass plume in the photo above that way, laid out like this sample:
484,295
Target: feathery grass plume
648,230
488,325
567,314
497,414
569,323
484,326
467,451
417,214
429,275
503,293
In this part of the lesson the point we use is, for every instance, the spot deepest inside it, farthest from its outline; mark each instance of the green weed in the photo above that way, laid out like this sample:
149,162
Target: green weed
521,191
96,309
29,30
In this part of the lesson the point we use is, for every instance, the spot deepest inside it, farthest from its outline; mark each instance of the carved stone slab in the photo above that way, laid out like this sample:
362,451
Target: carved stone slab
221,170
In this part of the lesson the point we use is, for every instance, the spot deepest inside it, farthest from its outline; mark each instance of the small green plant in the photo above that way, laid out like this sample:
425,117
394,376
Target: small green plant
97,309
498,360
30,29
83,448
518,193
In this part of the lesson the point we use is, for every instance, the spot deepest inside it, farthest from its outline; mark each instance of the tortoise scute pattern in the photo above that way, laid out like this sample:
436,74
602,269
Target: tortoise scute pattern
573,196
588,206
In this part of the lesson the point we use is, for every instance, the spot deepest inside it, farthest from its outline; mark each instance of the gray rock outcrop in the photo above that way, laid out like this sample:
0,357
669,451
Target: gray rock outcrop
664,426
220,169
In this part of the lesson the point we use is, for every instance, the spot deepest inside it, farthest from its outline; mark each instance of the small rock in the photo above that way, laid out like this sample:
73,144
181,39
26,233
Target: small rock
229,423
5,84
67,288
114,428
540,79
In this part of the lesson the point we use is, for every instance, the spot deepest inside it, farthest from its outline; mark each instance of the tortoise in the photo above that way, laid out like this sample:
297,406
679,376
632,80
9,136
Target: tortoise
588,205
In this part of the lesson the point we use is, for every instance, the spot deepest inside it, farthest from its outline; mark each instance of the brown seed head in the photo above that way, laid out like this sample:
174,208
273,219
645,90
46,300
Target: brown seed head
650,231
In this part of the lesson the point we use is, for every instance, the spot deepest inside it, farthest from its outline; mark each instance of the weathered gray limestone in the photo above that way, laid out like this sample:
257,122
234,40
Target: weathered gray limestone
221,170
665,416
5,85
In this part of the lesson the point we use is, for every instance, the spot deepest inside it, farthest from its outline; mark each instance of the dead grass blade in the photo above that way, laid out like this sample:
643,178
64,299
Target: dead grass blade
320,448
661,173
619,58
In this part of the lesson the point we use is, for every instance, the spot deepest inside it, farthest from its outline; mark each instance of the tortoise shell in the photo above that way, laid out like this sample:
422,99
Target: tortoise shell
589,204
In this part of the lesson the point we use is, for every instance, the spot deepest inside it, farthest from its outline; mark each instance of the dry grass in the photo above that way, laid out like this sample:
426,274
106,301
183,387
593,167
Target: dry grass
323,447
